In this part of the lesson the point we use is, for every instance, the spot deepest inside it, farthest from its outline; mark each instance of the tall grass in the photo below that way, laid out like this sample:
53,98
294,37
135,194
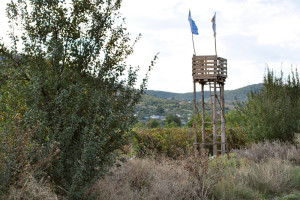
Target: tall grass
262,171
263,151
239,177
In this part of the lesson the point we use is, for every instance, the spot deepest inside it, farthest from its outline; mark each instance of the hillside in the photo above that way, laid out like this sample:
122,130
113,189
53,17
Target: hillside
157,104
230,95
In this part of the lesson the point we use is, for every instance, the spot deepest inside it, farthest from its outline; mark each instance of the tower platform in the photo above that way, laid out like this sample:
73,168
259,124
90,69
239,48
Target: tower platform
209,69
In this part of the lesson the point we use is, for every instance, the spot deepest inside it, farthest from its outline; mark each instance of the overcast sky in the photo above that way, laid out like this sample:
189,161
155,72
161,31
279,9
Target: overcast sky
251,34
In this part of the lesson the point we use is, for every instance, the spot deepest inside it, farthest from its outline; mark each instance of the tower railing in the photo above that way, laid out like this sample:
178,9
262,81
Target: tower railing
209,68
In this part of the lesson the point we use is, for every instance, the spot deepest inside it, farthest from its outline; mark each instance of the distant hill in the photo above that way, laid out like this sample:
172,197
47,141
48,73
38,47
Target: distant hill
156,104
230,95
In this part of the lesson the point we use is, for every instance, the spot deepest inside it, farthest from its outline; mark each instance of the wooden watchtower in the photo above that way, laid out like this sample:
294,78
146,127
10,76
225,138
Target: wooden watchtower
210,71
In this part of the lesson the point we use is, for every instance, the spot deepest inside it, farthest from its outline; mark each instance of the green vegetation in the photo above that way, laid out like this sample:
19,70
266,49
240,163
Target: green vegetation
171,142
273,113
65,102
172,121
67,112
150,106
153,123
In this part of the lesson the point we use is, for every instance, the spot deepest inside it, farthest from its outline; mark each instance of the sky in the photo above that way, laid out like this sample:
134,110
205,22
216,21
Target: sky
251,34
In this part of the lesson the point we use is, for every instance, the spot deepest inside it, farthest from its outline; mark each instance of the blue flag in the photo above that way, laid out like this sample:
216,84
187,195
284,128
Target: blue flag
213,20
193,26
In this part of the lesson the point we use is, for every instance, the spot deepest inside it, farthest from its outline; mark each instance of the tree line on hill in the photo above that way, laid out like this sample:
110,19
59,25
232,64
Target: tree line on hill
156,105
239,94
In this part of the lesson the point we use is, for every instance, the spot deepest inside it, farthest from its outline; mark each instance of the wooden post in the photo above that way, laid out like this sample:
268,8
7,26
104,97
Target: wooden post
223,121
215,149
203,116
195,121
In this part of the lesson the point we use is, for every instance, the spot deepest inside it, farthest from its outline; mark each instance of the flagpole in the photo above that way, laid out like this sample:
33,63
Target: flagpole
194,30
216,46
213,20
193,44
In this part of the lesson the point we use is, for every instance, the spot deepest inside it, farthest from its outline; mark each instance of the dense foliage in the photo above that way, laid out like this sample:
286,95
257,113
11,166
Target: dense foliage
172,121
273,113
65,84
171,142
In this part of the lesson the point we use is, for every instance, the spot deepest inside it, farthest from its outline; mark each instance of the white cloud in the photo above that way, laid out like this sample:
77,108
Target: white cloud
250,33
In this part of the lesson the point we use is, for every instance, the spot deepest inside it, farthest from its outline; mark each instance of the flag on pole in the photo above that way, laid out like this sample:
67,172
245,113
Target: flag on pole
193,26
213,20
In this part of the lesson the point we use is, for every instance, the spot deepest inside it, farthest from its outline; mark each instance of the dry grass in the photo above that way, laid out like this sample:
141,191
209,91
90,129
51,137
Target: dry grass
32,189
190,178
272,177
263,151
144,179
200,178
264,171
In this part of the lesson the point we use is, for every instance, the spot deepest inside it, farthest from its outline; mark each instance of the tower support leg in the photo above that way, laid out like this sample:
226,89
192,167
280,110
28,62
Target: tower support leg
215,128
195,121
203,116
223,121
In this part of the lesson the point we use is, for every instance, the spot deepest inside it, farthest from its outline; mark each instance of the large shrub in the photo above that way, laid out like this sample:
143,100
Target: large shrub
274,112
171,142
67,80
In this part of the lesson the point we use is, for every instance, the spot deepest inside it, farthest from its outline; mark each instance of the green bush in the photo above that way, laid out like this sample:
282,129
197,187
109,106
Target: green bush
236,136
172,121
295,178
274,112
293,196
153,123
172,142
68,82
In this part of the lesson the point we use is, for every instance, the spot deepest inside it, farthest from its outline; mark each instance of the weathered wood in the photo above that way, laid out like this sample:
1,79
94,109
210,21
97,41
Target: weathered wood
213,57
203,71
212,143
195,121
209,67
223,122
215,120
210,77
211,70
206,62
203,115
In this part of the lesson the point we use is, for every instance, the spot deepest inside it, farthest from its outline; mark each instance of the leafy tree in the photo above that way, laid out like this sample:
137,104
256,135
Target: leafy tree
139,125
273,113
153,123
160,110
173,121
67,79
235,135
